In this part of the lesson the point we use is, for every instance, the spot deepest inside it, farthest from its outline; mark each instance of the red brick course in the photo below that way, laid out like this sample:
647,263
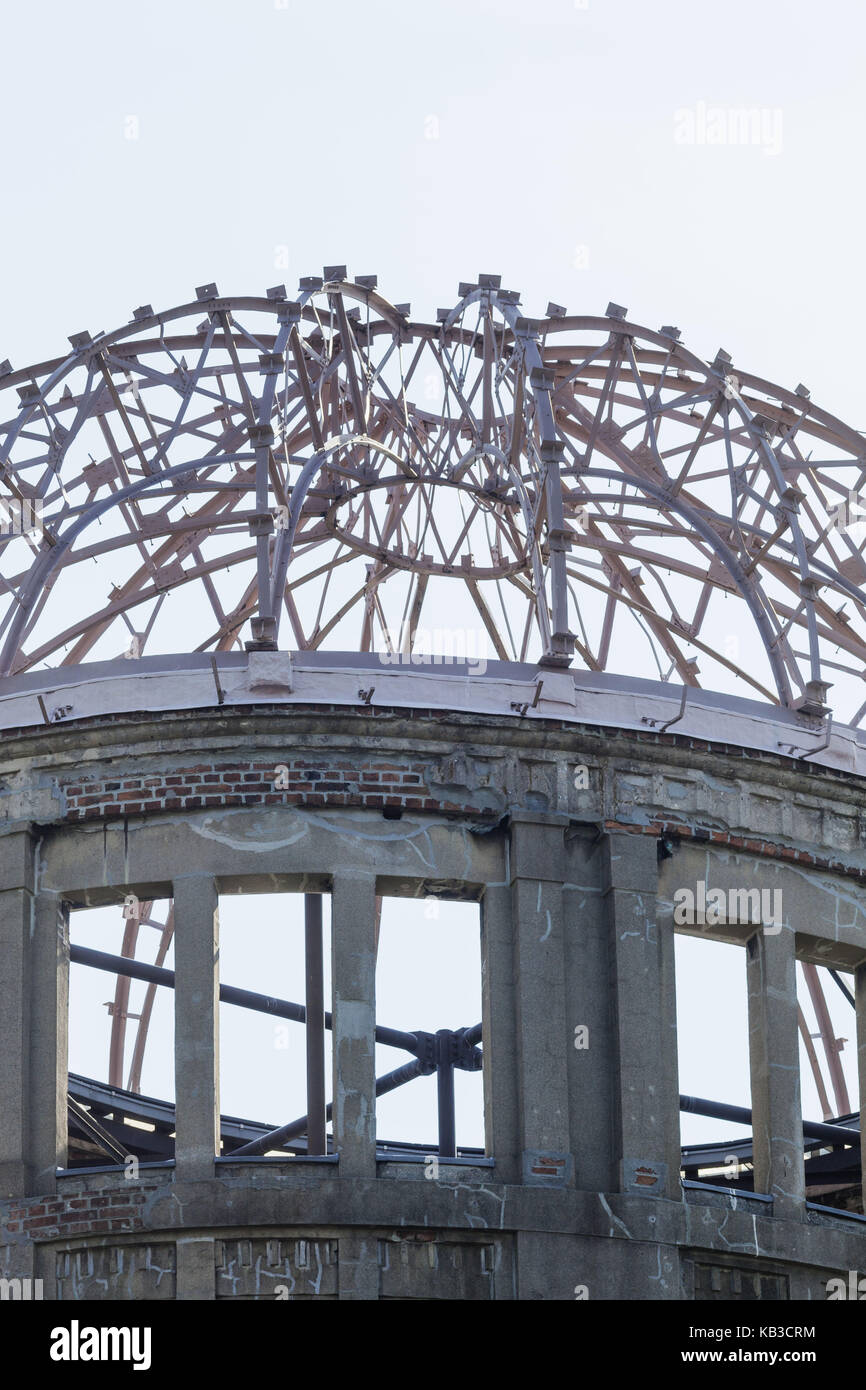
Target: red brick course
76,1213
373,786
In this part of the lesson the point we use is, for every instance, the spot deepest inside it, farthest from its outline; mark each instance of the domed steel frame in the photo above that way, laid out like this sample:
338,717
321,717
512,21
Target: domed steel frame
599,474
602,480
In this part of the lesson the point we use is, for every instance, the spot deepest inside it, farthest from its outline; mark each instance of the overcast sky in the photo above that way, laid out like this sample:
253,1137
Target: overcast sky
573,148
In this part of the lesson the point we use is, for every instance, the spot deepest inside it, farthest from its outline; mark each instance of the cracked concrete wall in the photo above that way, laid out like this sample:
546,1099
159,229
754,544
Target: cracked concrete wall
554,830
459,1237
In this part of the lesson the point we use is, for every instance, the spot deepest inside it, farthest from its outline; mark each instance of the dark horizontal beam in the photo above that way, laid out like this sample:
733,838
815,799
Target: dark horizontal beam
389,1082
229,994
740,1114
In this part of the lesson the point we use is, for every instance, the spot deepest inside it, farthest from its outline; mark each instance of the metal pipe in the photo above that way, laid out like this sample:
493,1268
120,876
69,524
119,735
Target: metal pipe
229,994
740,1114
315,1000
828,1038
844,988
389,1082
445,1084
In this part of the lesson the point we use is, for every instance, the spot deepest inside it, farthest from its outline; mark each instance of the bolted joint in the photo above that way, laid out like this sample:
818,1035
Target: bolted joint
426,1051
561,651
264,632
814,702
527,328
552,450
560,540
466,1055
261,436
271,362
810,588
542,379
289,311
261,523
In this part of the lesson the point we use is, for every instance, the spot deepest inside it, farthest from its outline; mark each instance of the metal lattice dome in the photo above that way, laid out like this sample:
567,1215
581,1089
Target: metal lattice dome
578,488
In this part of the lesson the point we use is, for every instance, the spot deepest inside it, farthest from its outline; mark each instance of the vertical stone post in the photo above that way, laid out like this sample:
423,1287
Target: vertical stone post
34,986
49,1039
498,1014
354,929
196,1027
353,974
592,1063
541,1017
646,1090
860,1001
774,1056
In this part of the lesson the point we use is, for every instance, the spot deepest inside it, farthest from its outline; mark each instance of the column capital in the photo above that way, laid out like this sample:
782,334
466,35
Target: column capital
538,847
18,855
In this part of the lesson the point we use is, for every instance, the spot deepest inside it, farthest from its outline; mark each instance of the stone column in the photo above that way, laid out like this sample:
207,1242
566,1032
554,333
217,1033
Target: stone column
34,984
592,1047
646,1090
498,1021
49,1039
860,1001
774,1055
196,1027
353,976
541,1020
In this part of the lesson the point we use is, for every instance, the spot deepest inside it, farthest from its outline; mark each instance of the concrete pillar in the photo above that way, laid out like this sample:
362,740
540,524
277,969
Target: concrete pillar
860,1001
353,976
34,983
196,1269
498,1023
49,1039
196,1027
541,1031
15,911
774,1056
646,1090
592,1046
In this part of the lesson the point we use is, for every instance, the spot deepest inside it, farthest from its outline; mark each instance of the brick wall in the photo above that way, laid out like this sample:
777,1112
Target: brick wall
374,785
77,1212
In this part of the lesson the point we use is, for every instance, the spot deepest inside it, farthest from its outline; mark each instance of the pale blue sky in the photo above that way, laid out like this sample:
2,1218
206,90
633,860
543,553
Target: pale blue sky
305,127
427,143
